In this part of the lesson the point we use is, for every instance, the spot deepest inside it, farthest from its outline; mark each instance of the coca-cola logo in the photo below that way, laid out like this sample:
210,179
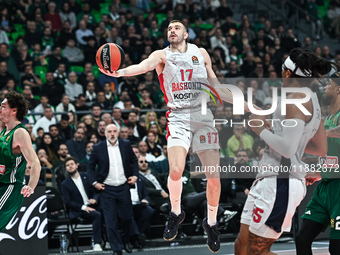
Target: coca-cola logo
29,224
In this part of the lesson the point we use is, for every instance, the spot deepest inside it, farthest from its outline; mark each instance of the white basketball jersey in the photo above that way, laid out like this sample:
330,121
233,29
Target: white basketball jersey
183,78
294,164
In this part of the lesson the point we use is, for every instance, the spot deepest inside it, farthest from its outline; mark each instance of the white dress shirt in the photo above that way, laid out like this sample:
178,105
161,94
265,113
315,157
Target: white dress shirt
79,183
134,195
116,176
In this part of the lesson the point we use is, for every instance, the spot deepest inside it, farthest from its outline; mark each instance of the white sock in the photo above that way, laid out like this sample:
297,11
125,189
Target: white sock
175,190
212,215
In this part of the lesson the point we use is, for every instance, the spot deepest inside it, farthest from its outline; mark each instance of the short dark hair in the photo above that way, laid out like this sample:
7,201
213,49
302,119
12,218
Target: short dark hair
16,100
52,125
65,117
69,159
178,21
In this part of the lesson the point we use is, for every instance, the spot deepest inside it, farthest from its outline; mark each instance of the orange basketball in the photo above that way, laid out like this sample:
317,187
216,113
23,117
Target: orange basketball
110,57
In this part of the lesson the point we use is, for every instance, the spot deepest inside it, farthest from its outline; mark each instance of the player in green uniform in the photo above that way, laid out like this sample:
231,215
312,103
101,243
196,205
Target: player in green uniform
15,151
324,207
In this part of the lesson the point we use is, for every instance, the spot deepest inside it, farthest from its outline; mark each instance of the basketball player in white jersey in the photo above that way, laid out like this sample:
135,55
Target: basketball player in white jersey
181,67
278,190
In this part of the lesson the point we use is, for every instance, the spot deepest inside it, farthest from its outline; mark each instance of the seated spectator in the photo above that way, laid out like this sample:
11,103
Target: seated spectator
3,37
106,117
73,121
48,146
72,88
54,17
80,105
117,118
45,121
5,56
124,133
81,200
90,50
66,14
91,96
64,106
40,108
31,79
27,176
44,162
96,112
47,41
4,74
83,32
89,124
143,151
66,33
101,100
59,164
233,71
56,137
65,130
32,36
60,74
82,77
56,58
124,96
77,145
272,82
100,132
158,195
161,165
23,59
139,131
73,54
53,89
153,148
27,92
239,140
258,94
39,58
333,15
160,138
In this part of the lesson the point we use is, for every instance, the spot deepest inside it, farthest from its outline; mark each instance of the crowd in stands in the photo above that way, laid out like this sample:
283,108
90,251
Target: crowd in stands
47,52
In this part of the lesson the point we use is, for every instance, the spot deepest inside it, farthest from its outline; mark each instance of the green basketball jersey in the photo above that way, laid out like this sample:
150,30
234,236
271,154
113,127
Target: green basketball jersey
12,167
333,152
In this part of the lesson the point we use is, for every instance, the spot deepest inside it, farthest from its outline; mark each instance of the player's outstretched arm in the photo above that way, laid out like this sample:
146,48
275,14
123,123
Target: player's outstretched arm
224,93
155,59
23,140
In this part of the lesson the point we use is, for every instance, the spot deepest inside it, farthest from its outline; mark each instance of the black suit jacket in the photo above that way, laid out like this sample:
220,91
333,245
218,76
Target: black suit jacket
100,158
72,197
141,189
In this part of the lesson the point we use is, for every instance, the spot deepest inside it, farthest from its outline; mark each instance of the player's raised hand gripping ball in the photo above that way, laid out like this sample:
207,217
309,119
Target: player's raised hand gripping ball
110,57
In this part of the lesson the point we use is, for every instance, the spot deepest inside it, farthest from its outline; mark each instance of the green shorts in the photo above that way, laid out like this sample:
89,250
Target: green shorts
324,206
10,202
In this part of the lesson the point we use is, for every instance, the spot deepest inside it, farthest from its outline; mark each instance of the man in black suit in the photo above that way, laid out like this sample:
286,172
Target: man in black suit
80,199
117,171
158,196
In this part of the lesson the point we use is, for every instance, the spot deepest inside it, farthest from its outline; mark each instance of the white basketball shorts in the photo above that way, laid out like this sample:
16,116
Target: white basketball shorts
271,204
189,127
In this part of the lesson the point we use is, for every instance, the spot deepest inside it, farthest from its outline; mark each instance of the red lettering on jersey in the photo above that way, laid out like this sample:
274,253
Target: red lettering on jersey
2,169
173,87
256,214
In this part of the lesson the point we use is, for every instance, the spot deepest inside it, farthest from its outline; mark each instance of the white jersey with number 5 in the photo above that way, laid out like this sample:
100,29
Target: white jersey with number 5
184,78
